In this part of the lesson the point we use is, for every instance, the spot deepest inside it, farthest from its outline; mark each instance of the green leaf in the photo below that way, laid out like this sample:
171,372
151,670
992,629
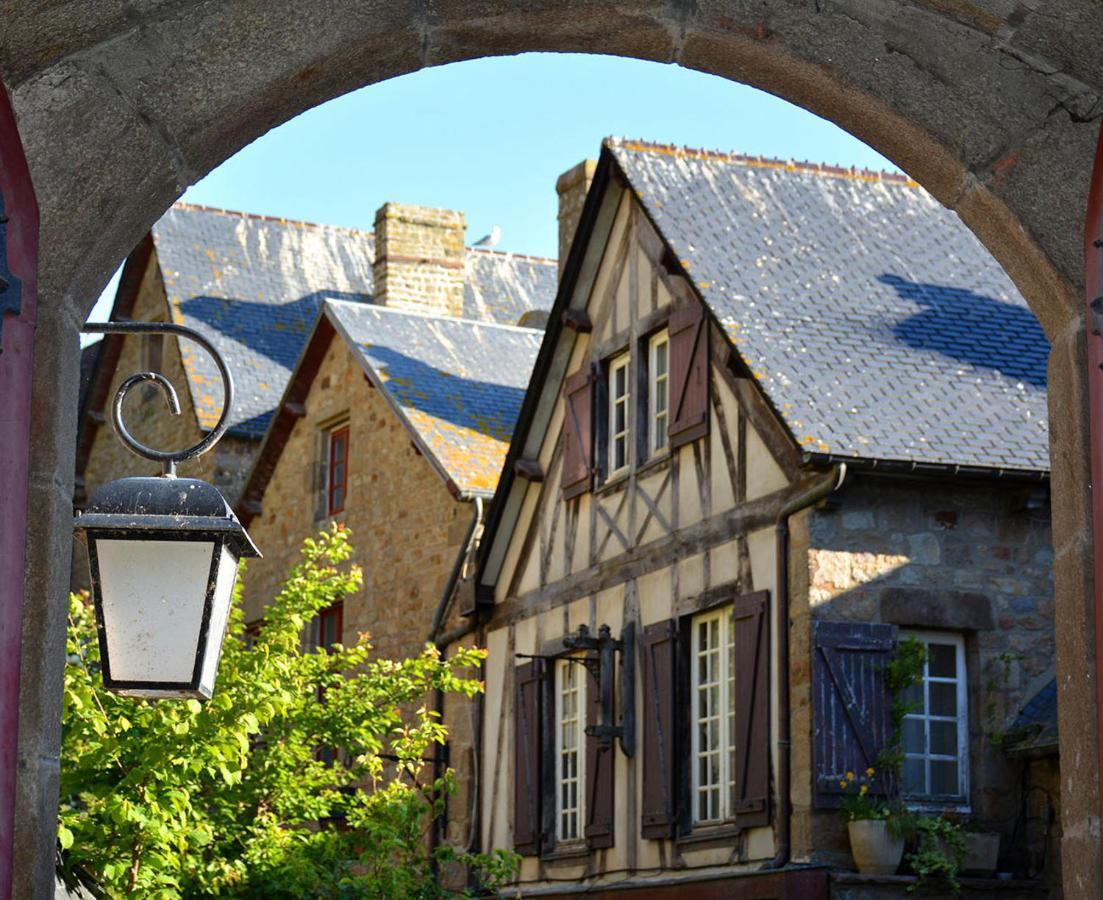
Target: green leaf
64,836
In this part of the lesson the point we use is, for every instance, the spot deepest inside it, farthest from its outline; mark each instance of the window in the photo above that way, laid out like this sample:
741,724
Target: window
936,732
619,398
570,706
658,394
337,470
325,631
326,628
712,700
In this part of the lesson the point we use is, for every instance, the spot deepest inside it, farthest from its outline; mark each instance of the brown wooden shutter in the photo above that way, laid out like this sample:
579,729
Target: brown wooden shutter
852,710
600,775
578,433
527,749
658,814
689,374
752,709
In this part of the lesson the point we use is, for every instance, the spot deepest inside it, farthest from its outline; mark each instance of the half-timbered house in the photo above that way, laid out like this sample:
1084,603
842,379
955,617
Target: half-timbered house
783,415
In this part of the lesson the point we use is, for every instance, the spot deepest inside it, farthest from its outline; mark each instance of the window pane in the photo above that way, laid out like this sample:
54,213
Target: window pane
913,697
944,738
944,777
942,660
915,781
943,699
915,738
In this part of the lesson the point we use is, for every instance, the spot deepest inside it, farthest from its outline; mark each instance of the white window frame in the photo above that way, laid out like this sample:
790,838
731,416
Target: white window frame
961,799
570,737
658,383
724,653
616,365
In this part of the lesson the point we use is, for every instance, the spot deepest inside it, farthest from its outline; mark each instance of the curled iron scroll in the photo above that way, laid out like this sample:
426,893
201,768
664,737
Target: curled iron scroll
167,458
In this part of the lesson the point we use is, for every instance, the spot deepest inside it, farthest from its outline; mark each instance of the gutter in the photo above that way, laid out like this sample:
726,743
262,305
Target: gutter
783,825
912,467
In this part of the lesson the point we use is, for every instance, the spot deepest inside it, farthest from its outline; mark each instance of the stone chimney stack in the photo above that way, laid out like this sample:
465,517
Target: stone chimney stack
572,187
419,258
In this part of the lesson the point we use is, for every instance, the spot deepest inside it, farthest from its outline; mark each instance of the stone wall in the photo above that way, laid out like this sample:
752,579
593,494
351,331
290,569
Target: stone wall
968,557
419,258
407,529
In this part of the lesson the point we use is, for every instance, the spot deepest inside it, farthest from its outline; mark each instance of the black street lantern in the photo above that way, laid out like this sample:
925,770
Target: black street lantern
163,553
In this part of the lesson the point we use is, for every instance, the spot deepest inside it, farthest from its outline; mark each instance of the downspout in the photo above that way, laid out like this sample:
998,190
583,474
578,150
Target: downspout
783,824
441,642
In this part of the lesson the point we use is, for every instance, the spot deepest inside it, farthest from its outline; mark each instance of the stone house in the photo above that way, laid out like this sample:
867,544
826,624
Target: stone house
253,286
784,415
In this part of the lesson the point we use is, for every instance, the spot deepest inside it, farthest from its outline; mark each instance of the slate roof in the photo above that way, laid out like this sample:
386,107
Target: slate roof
458,383
253,285
1035,728
876,323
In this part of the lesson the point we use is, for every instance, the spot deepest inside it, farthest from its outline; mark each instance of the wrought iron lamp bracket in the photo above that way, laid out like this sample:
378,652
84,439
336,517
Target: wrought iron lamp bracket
167,458
600,662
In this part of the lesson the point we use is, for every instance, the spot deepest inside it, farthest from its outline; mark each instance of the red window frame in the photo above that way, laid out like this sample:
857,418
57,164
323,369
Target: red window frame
327,628
337,487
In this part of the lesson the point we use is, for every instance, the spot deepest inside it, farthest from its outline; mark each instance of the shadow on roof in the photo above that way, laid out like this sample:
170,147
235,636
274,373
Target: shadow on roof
974,329
275,331
483,406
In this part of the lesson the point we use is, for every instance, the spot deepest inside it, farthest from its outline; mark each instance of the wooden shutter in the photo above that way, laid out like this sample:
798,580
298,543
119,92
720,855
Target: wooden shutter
578,433
658,814
320,476
752,709
852,710
689,374
600,775
527,747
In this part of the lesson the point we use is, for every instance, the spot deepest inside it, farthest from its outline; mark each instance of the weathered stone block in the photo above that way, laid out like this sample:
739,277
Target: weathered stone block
957,610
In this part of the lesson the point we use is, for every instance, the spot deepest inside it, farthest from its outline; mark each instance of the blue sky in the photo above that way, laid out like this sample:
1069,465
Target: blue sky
490,137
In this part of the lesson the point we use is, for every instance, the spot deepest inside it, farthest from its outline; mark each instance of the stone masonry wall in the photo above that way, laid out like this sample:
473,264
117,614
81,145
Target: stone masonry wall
406,530
419,258
962,556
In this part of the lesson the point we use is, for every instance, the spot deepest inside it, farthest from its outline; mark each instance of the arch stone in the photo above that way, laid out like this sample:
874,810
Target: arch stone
993,105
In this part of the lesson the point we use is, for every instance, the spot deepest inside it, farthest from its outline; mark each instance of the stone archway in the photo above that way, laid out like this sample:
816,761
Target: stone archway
993,107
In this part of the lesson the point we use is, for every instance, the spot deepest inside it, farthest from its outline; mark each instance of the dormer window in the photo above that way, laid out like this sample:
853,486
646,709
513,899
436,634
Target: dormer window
619,399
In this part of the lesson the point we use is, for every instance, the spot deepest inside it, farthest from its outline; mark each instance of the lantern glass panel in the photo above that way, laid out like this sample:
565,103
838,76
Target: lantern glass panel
220,614
153,594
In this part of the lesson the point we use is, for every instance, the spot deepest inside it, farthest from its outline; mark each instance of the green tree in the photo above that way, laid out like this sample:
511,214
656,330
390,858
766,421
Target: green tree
229,797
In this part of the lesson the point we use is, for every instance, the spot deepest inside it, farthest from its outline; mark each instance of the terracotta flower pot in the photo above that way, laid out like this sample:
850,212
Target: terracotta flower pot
875,851
982,853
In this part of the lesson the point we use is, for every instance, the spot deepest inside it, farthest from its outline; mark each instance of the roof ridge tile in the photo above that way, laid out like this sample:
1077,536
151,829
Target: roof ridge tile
762,162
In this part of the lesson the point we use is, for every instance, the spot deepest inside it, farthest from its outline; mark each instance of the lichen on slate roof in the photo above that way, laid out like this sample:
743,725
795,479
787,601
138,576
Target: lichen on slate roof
253,285
875,321
458,383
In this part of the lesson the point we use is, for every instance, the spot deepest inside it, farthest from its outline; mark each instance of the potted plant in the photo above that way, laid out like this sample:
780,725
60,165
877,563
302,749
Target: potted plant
939,852
981,850
876,826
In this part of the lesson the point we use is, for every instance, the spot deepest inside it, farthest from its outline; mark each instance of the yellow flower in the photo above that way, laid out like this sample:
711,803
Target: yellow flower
843,785
863,790
869,772
849,776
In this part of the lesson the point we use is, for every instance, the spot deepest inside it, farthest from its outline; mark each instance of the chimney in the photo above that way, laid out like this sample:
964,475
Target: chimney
572,187
419,258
